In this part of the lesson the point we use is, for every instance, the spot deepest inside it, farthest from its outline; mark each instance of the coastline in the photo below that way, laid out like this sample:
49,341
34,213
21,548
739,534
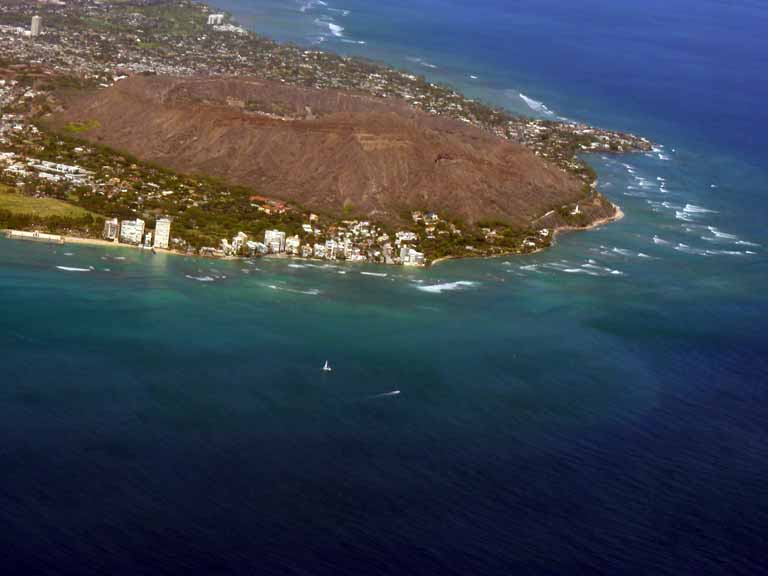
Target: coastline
111,244
618,214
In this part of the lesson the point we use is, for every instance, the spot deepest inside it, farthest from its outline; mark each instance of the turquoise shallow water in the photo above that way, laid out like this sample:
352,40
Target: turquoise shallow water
599,407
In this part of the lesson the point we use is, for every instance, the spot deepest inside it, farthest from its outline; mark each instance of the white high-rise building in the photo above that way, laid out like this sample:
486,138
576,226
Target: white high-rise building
292,244
411,257
132,231
239,242
275,241
162,233
111,229
215,19
37,26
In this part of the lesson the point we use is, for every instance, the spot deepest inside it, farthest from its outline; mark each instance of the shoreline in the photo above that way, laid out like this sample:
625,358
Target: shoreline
111,244
617,216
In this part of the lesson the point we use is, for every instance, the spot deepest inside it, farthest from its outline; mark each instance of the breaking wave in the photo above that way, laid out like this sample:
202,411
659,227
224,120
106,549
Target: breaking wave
73,269
447,287
693,209
536,105
421,62
310,292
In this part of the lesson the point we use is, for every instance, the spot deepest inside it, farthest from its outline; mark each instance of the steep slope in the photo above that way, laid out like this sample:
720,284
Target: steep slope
332,152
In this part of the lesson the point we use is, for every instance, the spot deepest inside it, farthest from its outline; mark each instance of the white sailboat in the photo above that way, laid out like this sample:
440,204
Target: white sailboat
327,367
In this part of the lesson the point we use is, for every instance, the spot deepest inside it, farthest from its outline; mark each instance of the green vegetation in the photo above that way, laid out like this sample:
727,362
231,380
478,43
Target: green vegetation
20,212
41,207
177,20
85,225
79,127
204,209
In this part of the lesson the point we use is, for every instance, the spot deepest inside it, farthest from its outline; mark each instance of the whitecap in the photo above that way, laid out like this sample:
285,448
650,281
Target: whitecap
690,250
447,286
376,274
201,278
72,269
623,251
310,292
722,235
693,209
660,241
726,253
421,62
336,30
536,105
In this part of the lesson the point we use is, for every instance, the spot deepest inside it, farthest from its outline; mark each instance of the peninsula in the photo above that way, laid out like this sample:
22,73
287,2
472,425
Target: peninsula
160,111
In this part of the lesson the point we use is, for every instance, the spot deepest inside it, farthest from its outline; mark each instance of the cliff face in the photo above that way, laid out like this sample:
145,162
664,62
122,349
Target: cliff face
332,152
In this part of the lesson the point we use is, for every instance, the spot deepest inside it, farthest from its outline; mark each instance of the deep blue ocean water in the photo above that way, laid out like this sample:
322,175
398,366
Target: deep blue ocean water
597,408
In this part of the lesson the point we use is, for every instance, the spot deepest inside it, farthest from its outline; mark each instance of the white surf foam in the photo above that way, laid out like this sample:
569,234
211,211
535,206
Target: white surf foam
690,250
310,292
201,278
336,30
693,209
447,286
536,105
726,253
722,235
376,274
421,62
73,269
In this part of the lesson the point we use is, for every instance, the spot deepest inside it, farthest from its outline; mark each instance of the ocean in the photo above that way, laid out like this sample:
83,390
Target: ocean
600,407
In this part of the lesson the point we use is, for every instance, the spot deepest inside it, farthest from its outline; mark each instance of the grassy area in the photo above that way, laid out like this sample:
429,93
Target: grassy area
178,20
79,127
42,207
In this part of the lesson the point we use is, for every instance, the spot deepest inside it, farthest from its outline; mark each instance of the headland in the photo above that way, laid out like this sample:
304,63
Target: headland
159,111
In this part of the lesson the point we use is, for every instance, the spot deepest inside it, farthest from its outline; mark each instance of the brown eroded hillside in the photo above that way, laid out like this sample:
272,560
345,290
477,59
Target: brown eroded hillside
333,152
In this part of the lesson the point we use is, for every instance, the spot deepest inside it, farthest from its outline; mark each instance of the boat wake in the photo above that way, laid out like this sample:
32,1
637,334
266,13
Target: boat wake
385,395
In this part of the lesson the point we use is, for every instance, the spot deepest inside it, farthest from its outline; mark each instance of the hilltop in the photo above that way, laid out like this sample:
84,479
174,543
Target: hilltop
338,153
